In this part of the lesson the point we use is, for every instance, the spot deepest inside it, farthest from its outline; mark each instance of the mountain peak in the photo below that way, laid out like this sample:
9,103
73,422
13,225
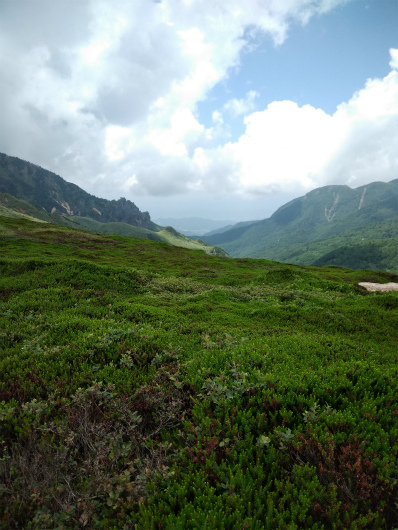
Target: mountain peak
52,193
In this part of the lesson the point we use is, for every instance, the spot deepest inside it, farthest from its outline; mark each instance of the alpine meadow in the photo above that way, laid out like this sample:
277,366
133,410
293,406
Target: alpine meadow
147,386
198,265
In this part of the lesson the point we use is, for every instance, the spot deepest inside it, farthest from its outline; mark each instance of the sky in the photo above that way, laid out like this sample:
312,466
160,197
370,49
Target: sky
202,108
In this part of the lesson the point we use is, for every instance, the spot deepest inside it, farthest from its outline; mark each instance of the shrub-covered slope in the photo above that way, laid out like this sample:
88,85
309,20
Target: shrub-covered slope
145,386
322,214
11,206
374,246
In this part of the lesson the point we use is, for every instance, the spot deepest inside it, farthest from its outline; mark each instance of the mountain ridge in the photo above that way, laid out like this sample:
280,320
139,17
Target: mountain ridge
52,193
322,213
15,207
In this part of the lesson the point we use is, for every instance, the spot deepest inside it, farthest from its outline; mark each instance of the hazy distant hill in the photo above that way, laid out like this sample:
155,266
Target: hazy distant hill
52,193
322,215
191,226
229,227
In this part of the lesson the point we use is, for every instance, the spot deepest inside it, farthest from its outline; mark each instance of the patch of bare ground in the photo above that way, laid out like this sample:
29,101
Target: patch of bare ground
383,287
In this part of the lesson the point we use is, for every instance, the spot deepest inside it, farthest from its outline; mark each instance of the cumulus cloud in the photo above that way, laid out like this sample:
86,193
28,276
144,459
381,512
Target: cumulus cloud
238,107
287,147
394,58
106,93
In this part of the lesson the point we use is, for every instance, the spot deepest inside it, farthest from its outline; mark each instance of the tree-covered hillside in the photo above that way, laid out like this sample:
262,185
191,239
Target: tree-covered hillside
380,240
149,387
317,221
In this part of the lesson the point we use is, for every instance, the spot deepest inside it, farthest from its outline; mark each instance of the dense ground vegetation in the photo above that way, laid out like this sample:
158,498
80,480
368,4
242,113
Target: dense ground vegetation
145,386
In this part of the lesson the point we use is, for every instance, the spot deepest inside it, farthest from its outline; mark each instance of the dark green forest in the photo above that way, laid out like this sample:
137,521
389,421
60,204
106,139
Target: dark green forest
145,386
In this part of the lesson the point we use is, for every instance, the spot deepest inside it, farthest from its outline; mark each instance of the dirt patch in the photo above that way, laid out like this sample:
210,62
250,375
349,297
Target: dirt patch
383,287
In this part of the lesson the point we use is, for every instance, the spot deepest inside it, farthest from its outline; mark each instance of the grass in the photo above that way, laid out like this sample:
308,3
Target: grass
146,386
166,235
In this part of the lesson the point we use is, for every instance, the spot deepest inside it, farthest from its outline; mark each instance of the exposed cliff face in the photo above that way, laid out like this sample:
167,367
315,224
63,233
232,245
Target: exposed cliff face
53,194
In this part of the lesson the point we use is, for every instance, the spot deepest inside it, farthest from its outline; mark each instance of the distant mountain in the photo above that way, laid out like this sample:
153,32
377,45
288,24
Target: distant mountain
323,220
192,226
50,192
11,206
229,227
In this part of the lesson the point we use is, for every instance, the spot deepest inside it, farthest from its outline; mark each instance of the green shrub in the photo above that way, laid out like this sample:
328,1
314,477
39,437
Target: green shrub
148,387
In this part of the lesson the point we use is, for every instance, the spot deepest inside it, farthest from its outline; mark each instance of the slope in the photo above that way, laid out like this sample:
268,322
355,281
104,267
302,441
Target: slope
11,206
145,386
382,237
122,229
50,192
191,226
167,235
321,214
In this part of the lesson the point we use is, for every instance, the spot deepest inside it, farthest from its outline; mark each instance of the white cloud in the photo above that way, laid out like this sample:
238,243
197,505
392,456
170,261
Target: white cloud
238,107
175,140
287,147
118,142
394,58
106,93
367,150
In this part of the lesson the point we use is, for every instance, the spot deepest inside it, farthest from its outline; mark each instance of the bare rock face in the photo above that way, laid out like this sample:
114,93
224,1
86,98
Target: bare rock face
383,287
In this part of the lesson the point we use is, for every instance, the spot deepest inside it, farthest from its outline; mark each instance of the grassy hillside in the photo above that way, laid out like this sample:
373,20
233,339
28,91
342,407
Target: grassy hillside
322,214
149,387
174,238
122,229
380,240
190,226
166,235
11,206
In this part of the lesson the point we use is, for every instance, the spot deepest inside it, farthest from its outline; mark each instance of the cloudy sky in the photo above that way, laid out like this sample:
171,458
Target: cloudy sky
202,108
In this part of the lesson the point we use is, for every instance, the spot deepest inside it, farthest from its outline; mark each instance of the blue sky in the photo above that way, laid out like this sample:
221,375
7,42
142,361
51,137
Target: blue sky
191,108
321,64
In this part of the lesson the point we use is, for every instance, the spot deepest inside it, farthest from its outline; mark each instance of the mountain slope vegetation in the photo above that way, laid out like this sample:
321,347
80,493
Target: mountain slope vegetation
11,206
381,237
145,386
323,214
52,193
